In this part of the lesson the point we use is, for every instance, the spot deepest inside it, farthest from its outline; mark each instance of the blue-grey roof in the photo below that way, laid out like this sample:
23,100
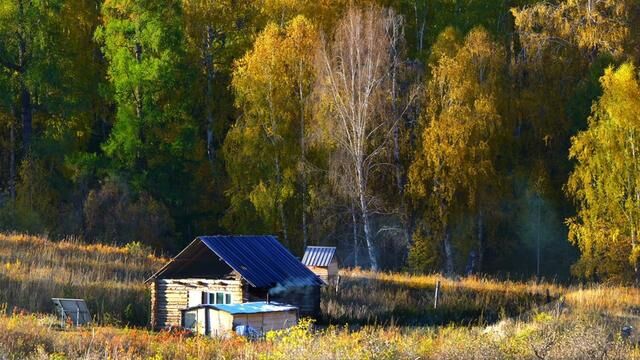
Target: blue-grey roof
260,260
318,255
254,307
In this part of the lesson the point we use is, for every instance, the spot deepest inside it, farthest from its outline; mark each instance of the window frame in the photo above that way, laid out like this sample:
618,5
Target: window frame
226,297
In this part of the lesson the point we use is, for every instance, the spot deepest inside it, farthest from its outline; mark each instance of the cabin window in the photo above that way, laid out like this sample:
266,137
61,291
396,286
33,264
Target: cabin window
218,297
190,320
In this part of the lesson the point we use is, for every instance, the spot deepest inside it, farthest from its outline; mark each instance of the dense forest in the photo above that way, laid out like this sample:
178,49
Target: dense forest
459,136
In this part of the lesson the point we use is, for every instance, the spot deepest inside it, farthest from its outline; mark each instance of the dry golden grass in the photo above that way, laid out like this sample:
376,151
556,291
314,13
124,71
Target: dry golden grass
366,297
483,316
474,283
34,269
544,337
610,299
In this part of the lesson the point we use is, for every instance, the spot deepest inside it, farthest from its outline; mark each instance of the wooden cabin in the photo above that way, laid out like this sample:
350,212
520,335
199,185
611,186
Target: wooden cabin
224,270
322,261
220,320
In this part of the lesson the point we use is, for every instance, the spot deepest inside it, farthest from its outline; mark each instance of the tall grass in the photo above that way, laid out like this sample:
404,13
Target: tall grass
365,297
477,317
611,299
34,269
543,337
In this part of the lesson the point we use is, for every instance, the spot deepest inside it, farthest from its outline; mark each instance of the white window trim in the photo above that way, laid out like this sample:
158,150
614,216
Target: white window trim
215,293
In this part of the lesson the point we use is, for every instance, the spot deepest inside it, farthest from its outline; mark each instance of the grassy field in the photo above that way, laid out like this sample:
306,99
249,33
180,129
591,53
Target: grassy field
34,269
570,335
365,297
372,316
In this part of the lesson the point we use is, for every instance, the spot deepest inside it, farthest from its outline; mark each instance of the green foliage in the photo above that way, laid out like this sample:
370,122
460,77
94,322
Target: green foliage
114,215
142,42
153,122
424,255
31,28
154,140
33,211
135,314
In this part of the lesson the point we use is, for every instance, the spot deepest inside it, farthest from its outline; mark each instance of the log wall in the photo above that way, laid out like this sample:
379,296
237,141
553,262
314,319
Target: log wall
328,274
169,296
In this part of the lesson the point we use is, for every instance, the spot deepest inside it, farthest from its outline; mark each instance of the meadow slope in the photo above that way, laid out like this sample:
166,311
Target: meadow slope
372,316
35,269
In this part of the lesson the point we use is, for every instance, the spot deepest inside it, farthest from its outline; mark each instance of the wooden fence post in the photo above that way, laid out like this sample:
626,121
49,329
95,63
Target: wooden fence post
548,296
437,295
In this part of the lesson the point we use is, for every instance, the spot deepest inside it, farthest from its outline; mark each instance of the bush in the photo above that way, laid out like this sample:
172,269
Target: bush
113,215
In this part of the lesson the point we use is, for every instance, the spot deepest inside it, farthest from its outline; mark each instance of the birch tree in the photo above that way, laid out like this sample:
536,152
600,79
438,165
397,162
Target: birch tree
593,26
355,85
606,181
454,162
217,32
266,150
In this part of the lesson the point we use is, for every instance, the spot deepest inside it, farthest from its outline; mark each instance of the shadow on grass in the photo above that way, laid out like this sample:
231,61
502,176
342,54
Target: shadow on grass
107,304
368,301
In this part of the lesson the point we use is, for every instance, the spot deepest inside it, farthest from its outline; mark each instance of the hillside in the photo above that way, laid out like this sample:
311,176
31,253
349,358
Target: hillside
34,269
372,315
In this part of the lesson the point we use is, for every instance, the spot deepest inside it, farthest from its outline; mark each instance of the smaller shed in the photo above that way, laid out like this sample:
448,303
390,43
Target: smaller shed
221,319
322,261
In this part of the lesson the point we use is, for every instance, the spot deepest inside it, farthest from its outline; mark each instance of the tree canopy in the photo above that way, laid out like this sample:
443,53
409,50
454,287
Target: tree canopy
454,136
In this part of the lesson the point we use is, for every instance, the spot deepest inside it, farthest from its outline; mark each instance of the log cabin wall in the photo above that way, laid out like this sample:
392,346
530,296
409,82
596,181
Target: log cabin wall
321,271
169,296
328,274
332,271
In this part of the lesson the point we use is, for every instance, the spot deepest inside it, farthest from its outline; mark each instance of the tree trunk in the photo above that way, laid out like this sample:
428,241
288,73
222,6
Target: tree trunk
634,259
480,240
303,160
448,253
355,233
367,234
419,27
208,64
12,161
27,118
138,99
283,219
634,231
538,241
26,106
399,169
364,207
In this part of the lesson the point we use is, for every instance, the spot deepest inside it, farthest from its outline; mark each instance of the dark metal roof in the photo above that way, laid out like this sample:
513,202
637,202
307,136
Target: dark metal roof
318,255
260,260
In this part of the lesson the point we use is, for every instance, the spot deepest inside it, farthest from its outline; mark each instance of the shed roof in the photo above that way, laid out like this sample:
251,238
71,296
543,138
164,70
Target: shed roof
256,307
318,255
261,260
